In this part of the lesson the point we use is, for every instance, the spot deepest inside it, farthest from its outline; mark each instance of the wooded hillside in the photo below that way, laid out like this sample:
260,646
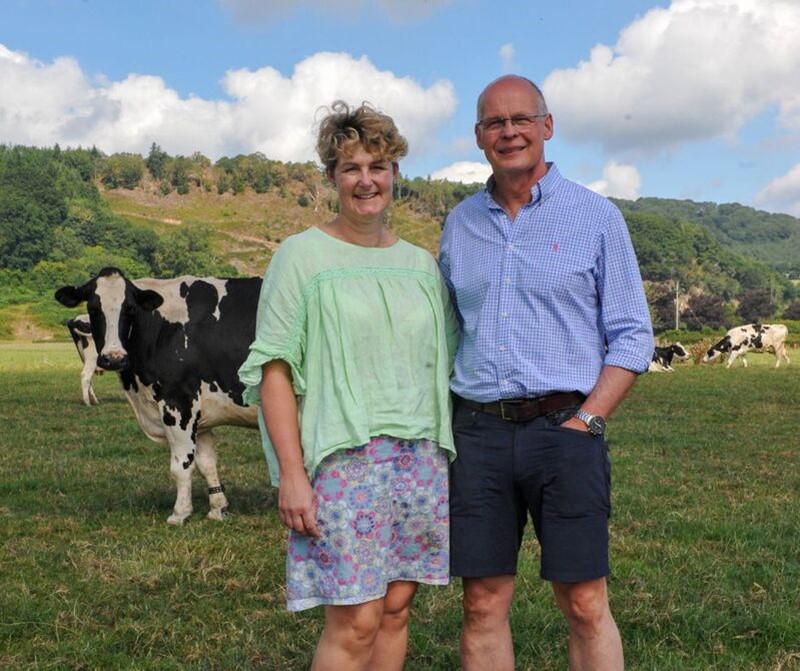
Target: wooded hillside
64,214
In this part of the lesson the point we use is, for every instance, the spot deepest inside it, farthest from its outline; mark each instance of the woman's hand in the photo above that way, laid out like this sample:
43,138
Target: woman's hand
297,505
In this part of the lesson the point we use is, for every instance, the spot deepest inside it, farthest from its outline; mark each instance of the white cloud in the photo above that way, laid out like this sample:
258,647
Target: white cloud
266,10
507,57
782,194
466,172
695,70
619,181
41,104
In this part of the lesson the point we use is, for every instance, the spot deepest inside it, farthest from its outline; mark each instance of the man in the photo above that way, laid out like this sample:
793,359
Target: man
555,329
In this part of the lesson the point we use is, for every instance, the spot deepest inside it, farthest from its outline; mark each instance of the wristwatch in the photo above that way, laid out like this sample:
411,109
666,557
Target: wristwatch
596,424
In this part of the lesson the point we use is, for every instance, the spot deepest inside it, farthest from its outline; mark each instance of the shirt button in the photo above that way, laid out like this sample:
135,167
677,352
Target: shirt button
504,314
502,348
504,382
508,280
511,245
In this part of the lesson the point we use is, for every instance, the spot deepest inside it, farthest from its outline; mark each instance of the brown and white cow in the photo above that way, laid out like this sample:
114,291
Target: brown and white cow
664,356
81,331
751,338
177,345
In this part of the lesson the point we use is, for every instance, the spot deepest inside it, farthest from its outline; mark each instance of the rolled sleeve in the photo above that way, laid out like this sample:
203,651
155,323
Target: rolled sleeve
625,315
280,325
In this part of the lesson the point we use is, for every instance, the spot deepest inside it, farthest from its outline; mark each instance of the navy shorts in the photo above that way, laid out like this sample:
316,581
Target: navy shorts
505,471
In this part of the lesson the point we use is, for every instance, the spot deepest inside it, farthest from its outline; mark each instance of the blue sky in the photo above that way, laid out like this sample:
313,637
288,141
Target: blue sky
691,99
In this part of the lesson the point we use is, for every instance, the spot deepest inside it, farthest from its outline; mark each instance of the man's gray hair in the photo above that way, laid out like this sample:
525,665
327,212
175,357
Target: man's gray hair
539,95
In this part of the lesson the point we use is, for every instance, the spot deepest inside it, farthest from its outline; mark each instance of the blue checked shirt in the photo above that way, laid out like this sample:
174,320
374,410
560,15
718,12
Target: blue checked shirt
539,297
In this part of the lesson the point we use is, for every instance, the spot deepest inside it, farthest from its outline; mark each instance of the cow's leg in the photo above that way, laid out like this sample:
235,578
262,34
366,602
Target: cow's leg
733,356
181,466
87,374
207,463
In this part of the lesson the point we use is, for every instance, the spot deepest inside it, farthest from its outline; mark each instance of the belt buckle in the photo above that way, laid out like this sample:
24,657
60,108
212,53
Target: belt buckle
510,404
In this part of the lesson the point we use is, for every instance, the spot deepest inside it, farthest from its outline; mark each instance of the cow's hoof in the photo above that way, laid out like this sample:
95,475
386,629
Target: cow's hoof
176,519
218,514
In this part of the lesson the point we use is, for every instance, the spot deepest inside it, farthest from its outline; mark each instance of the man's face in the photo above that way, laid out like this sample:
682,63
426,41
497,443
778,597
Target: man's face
511,150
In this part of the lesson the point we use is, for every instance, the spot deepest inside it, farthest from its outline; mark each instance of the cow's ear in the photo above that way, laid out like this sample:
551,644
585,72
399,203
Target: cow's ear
147,299
71,296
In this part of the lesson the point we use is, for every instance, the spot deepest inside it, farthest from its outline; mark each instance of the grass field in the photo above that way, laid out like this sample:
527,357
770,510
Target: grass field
705,536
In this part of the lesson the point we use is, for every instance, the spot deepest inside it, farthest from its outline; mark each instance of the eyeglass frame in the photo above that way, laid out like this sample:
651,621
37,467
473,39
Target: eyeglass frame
524,118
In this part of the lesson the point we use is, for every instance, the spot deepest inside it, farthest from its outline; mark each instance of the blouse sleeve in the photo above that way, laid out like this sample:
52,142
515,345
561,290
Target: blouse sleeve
451,324
280,323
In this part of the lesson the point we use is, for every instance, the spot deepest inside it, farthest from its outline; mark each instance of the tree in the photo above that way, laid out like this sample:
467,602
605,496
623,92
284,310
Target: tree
705,310
156,161
792,311
125,170
756,305
26,236
186,252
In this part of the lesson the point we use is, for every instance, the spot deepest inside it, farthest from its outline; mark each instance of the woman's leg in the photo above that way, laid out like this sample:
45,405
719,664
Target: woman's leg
389,651
349,636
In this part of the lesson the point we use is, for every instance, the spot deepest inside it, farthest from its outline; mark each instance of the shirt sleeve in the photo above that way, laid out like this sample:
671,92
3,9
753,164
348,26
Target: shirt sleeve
280,323
625,315
445,266
451,325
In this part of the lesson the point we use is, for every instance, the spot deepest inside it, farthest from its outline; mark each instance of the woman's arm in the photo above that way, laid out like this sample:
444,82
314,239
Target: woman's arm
296,503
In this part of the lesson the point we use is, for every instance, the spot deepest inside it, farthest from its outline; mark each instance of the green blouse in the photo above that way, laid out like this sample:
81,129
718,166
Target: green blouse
369,334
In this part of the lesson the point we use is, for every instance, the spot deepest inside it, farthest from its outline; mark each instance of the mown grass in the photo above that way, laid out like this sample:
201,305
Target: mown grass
705,537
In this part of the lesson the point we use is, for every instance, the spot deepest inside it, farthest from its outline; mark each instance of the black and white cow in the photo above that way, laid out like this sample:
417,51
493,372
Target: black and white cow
81,331
664,356
751,337
177,345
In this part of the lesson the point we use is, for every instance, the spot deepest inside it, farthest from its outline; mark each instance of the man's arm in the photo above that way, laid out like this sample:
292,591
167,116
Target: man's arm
296,504
612,386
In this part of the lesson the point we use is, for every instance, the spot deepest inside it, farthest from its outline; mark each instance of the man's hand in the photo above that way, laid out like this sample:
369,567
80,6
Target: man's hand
297,505
575,424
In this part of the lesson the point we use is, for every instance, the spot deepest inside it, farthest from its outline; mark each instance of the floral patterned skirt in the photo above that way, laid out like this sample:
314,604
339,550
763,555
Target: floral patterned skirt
383,516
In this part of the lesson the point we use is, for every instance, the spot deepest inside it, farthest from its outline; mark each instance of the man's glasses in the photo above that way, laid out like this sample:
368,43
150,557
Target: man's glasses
519,121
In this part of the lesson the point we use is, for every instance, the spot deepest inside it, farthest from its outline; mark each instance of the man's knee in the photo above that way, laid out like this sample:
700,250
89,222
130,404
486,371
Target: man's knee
584,604
487,601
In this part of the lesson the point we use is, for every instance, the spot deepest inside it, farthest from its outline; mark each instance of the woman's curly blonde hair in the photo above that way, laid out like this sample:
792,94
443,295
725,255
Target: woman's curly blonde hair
345,127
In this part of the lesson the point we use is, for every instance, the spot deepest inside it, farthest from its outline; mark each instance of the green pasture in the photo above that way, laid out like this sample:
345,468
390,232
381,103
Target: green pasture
705,536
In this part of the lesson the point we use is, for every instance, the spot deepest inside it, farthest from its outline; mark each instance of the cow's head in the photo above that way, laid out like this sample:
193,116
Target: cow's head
715,350
112,302
680,352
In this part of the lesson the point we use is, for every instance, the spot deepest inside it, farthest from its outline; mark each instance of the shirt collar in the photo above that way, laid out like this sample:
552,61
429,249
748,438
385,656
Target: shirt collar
540,191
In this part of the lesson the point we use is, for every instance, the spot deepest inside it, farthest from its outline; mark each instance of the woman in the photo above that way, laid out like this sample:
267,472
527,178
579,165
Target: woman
354,343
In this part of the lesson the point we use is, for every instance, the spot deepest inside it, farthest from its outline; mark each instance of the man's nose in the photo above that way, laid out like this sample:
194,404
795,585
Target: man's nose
509,129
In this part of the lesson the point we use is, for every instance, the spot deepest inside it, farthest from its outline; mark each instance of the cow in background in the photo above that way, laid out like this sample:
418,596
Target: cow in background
177,345
751,338
81,331
664,356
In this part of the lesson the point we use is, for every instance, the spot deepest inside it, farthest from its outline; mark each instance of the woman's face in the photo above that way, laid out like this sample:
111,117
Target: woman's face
364,183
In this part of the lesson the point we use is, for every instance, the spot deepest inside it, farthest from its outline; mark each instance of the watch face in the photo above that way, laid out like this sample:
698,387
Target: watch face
597,425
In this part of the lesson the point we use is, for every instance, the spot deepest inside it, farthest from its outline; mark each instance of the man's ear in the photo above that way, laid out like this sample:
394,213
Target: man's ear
548,127
478,139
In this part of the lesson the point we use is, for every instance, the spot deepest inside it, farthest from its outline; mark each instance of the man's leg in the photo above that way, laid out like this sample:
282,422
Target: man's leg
594,642
486,632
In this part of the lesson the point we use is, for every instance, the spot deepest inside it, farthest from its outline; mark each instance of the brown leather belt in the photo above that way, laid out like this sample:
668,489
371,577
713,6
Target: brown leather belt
524,409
